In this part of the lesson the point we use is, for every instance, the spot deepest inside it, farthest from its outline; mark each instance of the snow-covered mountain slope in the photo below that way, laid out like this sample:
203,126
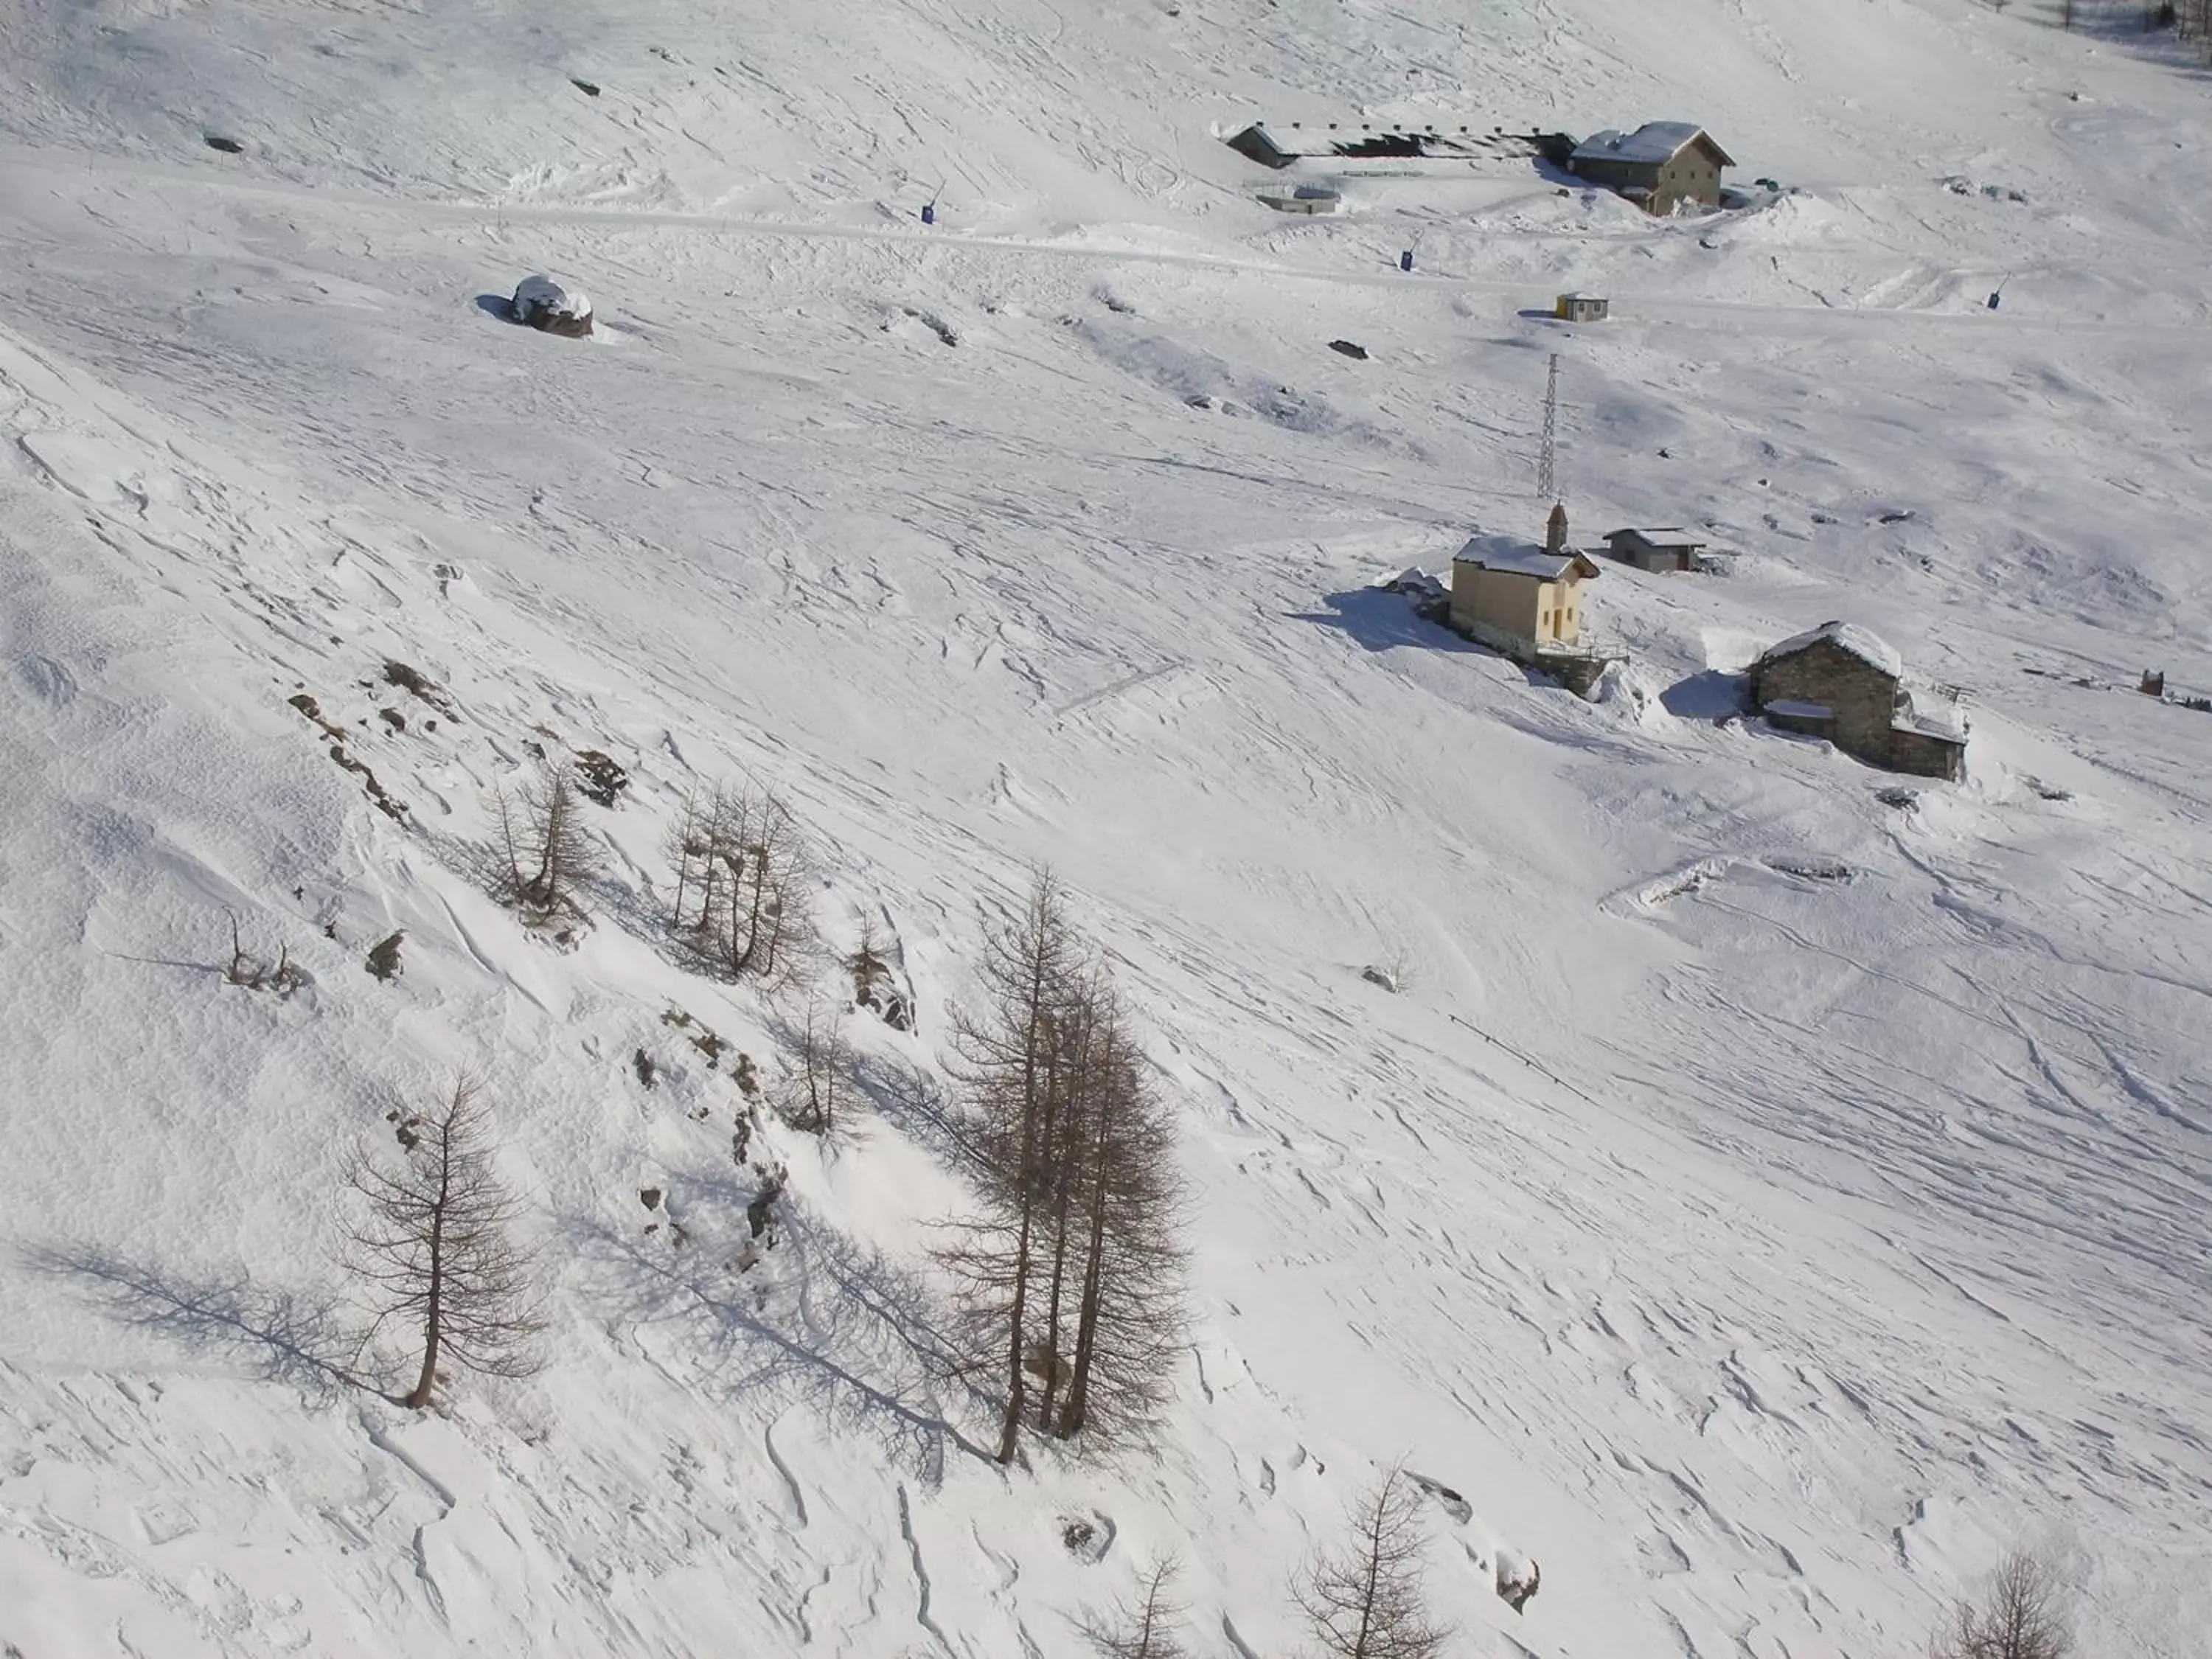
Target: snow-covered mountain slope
1764,1204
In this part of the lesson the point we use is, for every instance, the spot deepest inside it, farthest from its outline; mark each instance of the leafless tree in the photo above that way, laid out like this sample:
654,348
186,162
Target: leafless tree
1071,1273
743,869
1127,1214
1365,1601
1015,1074
1148,1628
548,850
818,1094
436,1250
2022,1615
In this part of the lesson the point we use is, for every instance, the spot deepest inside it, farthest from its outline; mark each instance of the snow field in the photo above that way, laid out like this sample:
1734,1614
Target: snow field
1767,1202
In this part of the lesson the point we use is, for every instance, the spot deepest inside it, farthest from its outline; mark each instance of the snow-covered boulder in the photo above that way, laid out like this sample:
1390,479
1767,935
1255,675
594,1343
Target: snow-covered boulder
542,303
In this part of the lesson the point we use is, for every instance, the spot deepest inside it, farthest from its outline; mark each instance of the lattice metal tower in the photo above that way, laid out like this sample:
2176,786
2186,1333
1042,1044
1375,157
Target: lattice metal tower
1547,455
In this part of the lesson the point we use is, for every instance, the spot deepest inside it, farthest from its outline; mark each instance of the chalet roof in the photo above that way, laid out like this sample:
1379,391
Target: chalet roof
1517,557
1669,535
1653,144
1866,646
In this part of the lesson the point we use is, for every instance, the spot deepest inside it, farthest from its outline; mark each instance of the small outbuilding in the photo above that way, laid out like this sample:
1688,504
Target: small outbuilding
542,303
1661,167
1667,549
1306,198
1841,683
1581,308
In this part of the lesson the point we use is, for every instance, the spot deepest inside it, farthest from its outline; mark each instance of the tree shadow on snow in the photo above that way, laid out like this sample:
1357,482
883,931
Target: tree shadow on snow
920,1107
1382,621
818,1319
286,1336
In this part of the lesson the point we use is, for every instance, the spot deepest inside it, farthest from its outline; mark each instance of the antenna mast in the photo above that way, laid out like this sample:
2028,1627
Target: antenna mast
1547,480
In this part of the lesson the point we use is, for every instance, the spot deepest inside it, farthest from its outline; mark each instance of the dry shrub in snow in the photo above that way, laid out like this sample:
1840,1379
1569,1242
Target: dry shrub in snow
258,973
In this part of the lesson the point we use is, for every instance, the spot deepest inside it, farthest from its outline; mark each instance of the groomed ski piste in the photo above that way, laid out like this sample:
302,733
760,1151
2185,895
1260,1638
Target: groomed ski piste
1776,1188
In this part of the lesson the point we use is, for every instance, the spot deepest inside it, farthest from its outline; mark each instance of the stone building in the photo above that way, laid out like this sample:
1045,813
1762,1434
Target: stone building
1844,683
1660,167
1667,549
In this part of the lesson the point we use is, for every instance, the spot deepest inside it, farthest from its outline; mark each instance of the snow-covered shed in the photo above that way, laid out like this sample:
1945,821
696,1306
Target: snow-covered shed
1665,548
1518,596
1843,683
1660,166
1581,307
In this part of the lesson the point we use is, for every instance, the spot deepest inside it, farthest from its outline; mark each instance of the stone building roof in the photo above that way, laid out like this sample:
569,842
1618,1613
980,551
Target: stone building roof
1866,646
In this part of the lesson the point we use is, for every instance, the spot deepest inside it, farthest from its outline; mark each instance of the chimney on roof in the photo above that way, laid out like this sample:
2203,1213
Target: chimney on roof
1555,529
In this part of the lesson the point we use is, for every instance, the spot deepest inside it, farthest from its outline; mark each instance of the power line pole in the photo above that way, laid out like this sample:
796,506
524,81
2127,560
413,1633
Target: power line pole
1547,455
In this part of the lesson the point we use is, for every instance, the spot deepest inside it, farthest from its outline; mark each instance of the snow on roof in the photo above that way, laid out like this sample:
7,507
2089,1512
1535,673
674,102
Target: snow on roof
1866,646
1941,718
543,294
1669,535
1510,553
1654,143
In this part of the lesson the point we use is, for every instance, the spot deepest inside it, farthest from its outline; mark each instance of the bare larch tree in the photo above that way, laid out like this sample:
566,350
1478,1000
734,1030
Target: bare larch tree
1072,1272
1123,1209
548,849
1365,1601
741,870
2022,1616
818,1093
1015,1074
1149,1627
436,1249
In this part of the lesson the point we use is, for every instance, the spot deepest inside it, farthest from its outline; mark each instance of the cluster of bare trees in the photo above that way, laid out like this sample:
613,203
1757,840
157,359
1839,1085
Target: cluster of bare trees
435,1246
546,850
1071,1275
818,1094
743,869
1361,1601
